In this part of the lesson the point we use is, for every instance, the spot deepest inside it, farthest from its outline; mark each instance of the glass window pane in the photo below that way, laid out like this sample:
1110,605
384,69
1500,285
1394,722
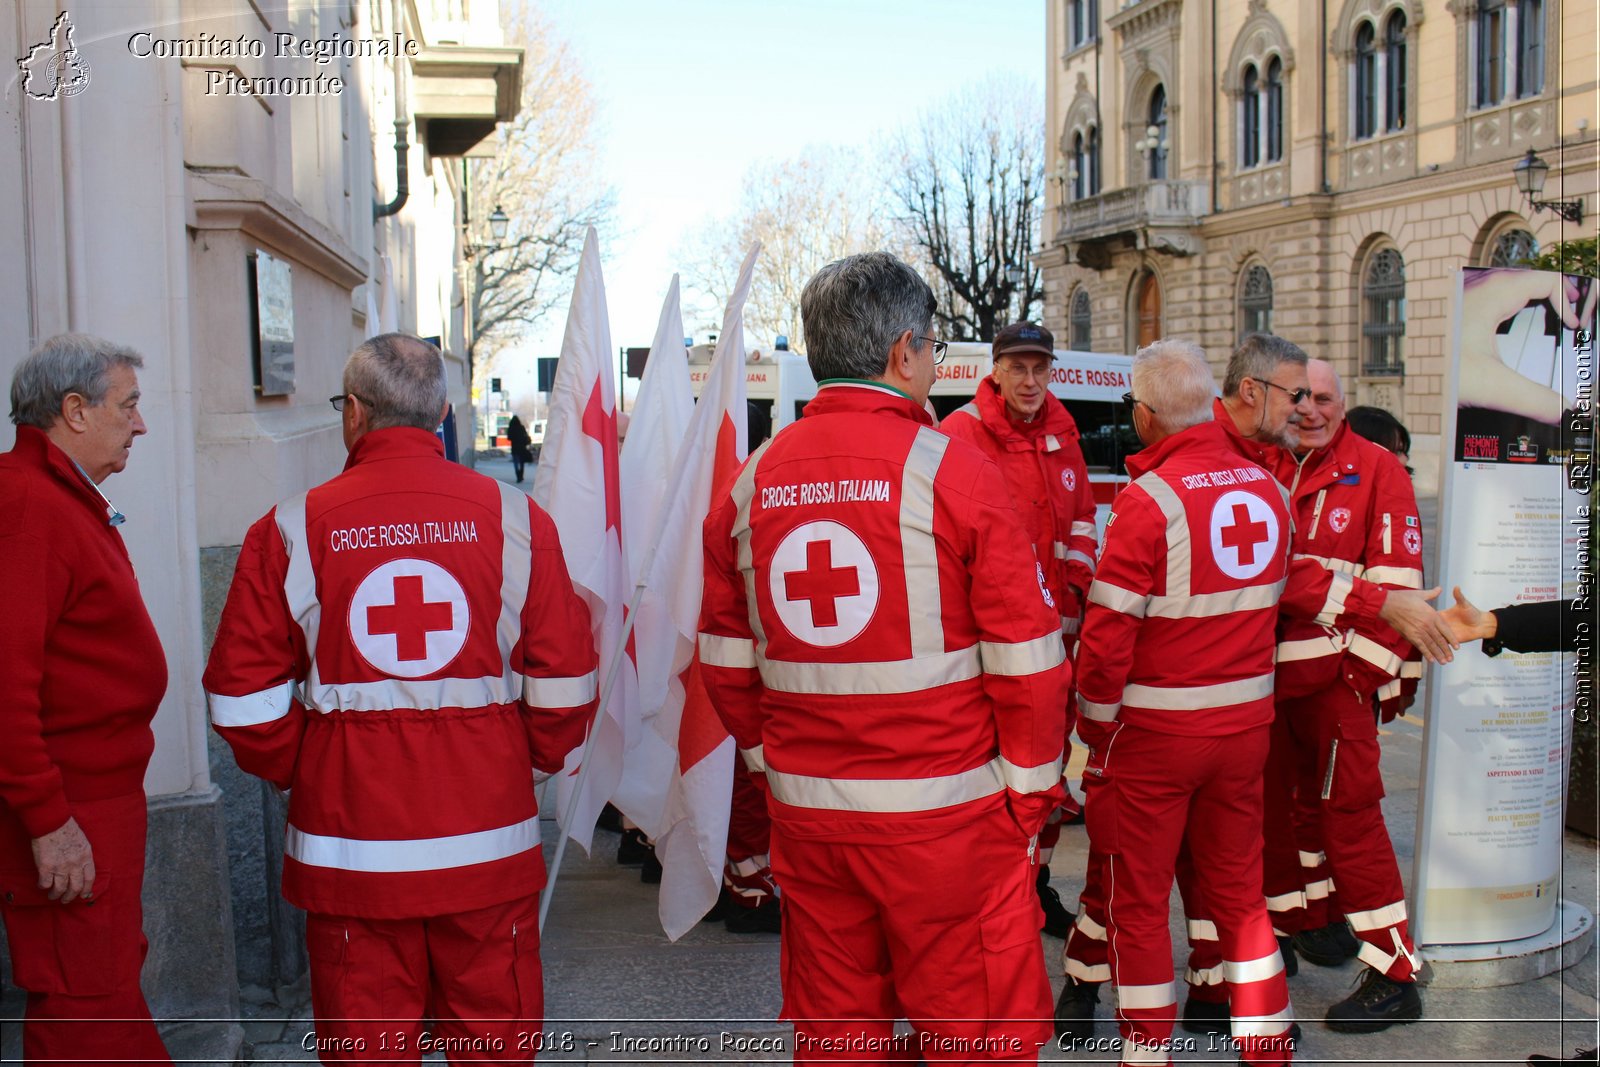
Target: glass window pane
1366,79
1383,323
1395,46
1082,321
1275,111
1250,119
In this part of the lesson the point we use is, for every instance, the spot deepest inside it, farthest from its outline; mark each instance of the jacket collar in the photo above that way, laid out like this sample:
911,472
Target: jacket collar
1334,460
837,395
394,442
1052,419
1267,455
35,448
1207,435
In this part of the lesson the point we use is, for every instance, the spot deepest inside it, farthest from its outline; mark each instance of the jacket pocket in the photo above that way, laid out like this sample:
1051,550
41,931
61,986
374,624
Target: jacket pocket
84,949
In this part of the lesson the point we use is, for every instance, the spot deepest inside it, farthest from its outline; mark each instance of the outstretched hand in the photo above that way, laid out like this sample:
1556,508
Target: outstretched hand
1467,621
1408,611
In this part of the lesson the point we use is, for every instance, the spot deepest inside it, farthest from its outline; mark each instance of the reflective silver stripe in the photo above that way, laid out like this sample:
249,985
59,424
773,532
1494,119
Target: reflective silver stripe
1411,668
1333,607
422,854
430,695
1312,859
1376,958
560,692
1061,549
1179,550
1237,972
1088,927
1084,529
1287,901
1312,647
886,794
864,679
1098,712
1207,605
1070,626
516,567
1204,975
1319,890
1117,598
299,584
1389,690
1404,577
751,864
967,409
1030,779
1263,1025
1083,972
1377,918
1197,697
1018,659
755,759
742,493
1051,443
918,548
1146,997
252,709
1343,566
1202,930
1388,534
1084,558
1375,654
732,652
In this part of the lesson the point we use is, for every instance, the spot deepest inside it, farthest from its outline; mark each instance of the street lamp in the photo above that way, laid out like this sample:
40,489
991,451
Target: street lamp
1530,173
1013,275
499,222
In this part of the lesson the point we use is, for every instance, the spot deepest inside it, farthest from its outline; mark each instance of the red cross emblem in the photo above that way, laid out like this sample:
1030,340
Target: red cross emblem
824,583
821,583
409,618
1244,534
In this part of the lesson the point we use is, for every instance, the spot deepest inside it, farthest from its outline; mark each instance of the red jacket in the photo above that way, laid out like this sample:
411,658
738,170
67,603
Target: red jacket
403,647
81,666
875,634
1049,482
1355,513
1179,633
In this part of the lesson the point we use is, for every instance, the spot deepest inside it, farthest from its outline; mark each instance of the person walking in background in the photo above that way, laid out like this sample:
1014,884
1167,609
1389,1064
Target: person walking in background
521,445
84,673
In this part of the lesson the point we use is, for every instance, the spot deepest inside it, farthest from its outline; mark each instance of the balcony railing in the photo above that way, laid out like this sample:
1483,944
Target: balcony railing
1157,204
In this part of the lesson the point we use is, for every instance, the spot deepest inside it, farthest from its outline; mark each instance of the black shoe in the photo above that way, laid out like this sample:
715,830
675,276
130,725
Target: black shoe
1327,946
764,918
610,818
1057,919
1377,1003
1583,1055
719,910
1206,1017
1291,962
1075,1012
632,849
650,872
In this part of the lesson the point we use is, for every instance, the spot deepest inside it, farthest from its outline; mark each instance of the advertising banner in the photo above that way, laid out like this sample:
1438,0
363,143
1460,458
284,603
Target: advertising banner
1513,528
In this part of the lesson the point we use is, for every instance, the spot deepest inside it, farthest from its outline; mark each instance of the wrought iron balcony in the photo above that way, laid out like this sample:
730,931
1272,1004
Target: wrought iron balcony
1160,215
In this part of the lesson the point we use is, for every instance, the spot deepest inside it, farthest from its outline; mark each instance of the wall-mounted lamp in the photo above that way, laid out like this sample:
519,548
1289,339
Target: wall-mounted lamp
1530,173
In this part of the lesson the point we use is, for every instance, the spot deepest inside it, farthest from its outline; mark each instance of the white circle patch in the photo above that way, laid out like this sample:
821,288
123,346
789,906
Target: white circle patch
1339,519
1069,478
409,618
824,583
1413,542
1244,534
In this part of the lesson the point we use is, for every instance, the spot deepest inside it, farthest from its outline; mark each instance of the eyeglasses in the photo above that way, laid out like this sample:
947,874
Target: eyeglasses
938,348
338,401
1296,396
1129,399
1018,371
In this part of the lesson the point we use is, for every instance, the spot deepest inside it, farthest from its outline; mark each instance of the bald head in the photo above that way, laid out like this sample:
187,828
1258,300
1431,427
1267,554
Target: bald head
399,379
1327,406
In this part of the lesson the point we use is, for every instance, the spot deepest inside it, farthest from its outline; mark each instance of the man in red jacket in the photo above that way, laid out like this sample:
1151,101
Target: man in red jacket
403,647
883,650
83,674
1034,441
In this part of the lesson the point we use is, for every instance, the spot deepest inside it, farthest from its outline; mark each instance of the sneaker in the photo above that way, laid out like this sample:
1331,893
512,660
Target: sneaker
632,849
764,918
1377,1003
1057,919
1075,1012
650,872
1291,962
1582,1055
1327,946
1207,1017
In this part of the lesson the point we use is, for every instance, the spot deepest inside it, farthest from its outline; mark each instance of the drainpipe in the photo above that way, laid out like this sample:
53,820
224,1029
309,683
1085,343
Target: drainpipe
1216,163
402,183
1322,97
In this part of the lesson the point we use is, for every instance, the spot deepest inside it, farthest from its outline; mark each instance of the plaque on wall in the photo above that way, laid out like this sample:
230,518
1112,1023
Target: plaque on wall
272,316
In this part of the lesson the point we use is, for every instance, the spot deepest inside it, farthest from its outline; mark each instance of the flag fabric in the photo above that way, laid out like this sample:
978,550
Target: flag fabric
577,482
660,420
693,832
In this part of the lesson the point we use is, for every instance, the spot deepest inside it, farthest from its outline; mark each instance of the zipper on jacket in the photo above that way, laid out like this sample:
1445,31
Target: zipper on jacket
1316,515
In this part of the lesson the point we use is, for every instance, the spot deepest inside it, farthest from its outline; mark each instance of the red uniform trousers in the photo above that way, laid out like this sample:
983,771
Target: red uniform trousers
476,972
865,942
81,961
747,875
1157,790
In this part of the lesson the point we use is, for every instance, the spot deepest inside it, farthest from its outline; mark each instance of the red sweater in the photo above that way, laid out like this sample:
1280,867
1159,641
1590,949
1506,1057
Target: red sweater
81,667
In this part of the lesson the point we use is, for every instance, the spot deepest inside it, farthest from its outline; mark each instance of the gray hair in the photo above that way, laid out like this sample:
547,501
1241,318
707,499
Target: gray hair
67,363
853,309
1259,356
401,380
1174,380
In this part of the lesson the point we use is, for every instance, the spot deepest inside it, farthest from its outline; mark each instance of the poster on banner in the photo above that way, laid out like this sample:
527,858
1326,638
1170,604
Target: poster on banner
1513,525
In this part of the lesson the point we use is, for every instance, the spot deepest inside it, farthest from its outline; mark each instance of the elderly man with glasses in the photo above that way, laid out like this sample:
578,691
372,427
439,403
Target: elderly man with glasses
1032,438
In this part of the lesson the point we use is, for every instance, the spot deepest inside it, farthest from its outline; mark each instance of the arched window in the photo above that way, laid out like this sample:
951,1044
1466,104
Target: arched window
1530,47
1394,47
1512,248
1366,81
1383,323
1255,301
1092,159
1147,308
1080,167
1083,22
1081,319
1491,59
1250,119
1274,110
1156,152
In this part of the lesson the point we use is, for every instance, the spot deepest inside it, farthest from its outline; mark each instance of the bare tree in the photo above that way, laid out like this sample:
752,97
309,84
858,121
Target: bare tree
967,181
806,211
545,176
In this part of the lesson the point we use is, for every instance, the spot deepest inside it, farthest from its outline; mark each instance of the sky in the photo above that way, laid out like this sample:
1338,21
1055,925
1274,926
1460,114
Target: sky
691,93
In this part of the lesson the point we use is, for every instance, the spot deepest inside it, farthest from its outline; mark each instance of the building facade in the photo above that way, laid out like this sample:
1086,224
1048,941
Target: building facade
216,183
1316,168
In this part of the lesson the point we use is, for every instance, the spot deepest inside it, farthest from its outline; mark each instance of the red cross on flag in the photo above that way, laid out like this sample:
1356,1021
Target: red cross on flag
577,483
